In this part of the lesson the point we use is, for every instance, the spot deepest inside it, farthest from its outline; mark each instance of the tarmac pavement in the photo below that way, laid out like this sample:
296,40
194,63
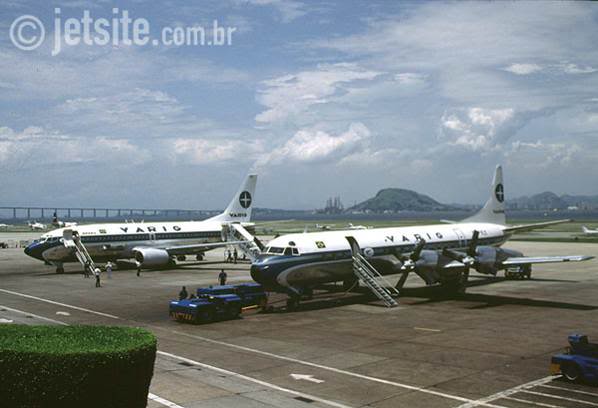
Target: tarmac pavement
489,347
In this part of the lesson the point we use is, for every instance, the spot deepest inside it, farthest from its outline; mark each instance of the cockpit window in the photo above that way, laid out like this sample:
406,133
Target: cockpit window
282,251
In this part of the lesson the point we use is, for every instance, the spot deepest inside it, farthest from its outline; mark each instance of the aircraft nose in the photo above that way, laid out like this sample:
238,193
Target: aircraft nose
34,250
264,274
256,274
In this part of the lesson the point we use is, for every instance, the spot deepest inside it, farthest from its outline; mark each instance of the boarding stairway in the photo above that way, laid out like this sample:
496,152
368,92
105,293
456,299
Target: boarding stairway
370,277
246,242
72,240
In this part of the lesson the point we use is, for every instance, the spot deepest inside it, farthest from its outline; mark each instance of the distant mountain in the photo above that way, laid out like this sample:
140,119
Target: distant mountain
398,199
550,201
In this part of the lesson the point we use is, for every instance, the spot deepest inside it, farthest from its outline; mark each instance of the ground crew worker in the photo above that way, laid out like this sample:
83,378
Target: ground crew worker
109,269
183,293
86,269
235,255
229,257
138,269
96,272
222,277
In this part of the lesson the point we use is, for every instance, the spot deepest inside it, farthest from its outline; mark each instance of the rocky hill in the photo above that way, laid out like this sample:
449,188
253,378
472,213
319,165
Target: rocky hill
398,199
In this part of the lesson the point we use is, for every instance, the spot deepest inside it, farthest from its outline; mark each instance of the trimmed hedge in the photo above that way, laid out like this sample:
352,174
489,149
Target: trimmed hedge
75,366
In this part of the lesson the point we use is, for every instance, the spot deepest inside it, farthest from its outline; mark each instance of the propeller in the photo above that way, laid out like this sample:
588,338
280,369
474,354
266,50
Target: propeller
410,261
468,259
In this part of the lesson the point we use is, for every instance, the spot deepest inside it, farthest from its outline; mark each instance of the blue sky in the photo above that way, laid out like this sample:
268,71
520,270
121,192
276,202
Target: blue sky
320,98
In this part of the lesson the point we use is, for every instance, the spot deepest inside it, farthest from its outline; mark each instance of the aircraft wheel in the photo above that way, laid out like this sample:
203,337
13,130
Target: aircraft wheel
199,257
527,271
59,270
571,372
292,304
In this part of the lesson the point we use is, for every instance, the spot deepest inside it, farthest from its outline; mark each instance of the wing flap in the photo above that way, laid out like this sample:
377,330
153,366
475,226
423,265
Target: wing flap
525,260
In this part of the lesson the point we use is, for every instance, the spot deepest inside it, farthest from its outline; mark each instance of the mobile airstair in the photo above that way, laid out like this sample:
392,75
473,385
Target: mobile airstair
370,277
72,240
246,242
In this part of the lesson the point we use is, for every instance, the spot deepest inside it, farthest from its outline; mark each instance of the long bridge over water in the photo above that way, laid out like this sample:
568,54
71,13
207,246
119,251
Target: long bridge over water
78,213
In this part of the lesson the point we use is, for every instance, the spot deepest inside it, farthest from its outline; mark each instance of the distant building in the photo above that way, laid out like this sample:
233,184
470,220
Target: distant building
333,206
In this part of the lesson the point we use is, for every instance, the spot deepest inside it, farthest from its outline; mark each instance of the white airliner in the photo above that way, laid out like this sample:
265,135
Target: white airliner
36,225
151,244
441,253
357,227
61,224
588,231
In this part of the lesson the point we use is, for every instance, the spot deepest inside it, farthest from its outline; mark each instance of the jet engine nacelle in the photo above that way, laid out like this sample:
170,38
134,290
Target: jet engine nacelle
151,257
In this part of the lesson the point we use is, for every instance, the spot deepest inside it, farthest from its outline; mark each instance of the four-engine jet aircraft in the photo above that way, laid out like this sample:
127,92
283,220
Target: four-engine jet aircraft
151,244
441,253
588,231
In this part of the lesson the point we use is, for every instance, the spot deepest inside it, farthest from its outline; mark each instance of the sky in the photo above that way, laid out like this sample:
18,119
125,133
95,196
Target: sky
319,98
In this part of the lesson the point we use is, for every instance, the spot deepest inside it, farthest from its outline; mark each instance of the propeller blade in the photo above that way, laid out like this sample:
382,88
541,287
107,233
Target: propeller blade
417,251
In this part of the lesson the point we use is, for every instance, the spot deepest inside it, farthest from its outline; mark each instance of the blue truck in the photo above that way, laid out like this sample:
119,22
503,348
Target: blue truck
578,362
218,303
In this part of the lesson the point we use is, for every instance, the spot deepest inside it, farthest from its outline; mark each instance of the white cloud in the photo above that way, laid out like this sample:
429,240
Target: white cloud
316,146
36,147
293,94
542,155
575,69
523,69
410,78
476,129
289,10
204,151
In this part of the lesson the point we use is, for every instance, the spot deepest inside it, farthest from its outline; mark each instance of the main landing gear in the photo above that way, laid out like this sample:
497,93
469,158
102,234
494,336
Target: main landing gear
520,273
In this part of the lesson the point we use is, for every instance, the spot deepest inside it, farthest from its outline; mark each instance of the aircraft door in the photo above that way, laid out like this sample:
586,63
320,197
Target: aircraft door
461,237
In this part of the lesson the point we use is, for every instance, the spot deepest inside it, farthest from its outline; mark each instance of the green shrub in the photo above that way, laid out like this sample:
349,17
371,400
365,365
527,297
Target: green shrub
75,366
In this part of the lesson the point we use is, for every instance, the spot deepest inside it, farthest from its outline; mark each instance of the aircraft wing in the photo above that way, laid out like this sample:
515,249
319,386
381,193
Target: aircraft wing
524,260
195,248
529,227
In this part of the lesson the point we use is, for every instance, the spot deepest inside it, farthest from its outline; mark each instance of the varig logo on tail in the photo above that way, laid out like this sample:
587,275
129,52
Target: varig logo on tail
500,193
245,199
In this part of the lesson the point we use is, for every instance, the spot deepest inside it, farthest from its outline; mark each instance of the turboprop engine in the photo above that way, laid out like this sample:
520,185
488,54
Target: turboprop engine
488,260
152,257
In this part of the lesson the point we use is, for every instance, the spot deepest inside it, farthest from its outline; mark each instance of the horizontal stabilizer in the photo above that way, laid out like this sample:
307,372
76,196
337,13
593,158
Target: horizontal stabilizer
529,227
449,221
524,260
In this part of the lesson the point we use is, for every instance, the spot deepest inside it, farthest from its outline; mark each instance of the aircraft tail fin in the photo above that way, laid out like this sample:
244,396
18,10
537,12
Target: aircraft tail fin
239,209
494,209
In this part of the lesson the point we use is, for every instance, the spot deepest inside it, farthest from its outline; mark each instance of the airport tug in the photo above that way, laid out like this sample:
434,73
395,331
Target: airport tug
578,362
